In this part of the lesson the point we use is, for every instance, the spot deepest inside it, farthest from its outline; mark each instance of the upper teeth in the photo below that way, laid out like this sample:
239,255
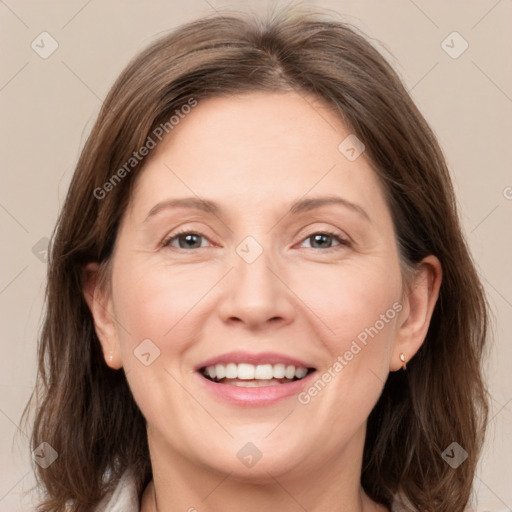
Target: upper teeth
246,371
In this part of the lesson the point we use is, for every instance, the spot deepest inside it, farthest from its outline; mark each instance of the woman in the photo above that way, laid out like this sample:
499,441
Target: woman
259,295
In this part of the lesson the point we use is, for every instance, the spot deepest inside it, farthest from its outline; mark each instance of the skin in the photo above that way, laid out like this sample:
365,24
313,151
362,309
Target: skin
254,155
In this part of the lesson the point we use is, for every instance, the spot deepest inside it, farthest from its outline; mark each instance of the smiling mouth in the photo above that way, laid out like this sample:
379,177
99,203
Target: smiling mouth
252,376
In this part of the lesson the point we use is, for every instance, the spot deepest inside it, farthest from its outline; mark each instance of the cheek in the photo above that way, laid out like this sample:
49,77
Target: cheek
156,304
353,302
154,300
356,309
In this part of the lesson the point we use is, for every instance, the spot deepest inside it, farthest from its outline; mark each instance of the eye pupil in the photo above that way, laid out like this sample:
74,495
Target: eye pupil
190,238
321,238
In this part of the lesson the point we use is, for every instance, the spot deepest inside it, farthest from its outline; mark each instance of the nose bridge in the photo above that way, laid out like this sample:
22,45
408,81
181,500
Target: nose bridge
255,294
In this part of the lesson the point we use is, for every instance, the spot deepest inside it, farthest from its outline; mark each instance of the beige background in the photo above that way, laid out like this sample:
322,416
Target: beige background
48,106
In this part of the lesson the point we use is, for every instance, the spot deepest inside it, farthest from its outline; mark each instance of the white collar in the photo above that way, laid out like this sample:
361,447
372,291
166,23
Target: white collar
124,498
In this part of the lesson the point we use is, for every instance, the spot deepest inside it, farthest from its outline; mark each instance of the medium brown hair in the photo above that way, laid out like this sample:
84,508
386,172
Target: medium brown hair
85,410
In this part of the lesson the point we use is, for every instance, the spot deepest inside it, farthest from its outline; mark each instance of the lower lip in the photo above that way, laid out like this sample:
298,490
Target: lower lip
261,396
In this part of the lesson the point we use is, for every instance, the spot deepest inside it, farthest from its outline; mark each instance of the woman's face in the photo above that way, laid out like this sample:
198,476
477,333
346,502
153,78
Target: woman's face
267,274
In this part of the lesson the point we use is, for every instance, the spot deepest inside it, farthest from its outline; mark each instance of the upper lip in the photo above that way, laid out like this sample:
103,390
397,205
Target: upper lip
253,358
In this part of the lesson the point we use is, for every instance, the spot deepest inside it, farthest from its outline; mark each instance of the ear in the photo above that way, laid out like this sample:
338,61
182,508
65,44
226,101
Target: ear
418,305
99,299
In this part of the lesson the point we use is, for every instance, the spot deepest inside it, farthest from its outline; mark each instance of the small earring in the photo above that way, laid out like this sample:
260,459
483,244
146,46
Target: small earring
402,358
110,357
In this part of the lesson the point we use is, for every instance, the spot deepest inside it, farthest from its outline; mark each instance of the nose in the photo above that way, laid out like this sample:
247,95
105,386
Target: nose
256,295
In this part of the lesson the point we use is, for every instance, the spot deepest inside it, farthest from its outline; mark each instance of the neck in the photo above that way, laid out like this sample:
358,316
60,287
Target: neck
334,485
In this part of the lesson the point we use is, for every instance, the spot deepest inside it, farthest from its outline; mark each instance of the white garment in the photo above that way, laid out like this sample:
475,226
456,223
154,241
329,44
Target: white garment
123,499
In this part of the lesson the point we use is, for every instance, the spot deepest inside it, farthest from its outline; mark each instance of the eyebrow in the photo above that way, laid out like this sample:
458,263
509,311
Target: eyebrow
300,206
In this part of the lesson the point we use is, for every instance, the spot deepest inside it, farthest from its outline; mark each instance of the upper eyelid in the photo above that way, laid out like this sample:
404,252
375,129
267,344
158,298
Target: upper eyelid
307,232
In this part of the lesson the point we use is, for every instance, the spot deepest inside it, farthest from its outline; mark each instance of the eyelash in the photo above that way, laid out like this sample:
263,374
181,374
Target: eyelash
342,241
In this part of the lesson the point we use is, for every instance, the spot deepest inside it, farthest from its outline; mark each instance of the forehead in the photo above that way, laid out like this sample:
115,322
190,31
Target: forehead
256,148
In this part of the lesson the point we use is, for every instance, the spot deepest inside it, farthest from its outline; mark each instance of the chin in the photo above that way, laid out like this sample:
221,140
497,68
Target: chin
256,462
